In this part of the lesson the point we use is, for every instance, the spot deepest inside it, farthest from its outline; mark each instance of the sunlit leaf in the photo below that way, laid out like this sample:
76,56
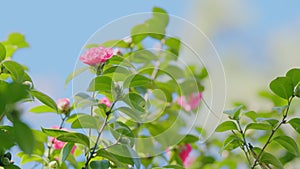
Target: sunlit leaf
42,109
101,83
75,138
258,126
270,159
295,123
74,74
288,143
294,74
2,52
44,99
227,125
15,69
283,87
66,151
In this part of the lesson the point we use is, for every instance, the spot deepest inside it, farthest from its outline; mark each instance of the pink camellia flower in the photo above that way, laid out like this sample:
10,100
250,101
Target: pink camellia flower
105,101
191,103
189,161
57,144
96,55
185,151
63,104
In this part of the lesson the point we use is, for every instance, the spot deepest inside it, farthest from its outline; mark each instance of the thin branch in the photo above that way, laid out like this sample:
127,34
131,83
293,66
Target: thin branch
283,121
245,144
99,136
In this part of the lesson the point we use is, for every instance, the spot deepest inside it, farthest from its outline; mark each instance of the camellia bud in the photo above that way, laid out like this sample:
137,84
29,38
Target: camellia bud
28,83
297,90
63,105
53,164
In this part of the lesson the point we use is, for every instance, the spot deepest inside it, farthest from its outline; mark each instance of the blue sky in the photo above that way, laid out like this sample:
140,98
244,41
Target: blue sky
57,30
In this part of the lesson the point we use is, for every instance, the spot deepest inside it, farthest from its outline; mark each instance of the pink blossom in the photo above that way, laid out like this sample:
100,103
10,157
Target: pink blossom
57,144
96,55
63,104
185,151
105,101
189,161
191,103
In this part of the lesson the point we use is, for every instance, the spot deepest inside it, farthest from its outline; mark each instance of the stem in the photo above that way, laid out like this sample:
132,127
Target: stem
283,121
91,113
98,137
245,144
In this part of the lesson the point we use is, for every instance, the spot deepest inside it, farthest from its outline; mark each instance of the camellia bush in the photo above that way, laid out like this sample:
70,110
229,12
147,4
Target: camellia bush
134,110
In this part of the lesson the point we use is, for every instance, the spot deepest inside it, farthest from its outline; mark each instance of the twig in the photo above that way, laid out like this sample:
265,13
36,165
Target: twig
98,137
283,121
245,144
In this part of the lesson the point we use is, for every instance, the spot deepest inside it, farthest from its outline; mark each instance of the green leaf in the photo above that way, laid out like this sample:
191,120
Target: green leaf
86,121
24,136
227,125
2,52
66,151
115,43
282,87
133,114
82,100
101,83
42,109
280,109
294,74
54,132
295,123
189,139
232,142
173,45
75,138
288,143
137,80
117,160
142,56
138,33
25,158
273,122
252,115
156,28
11,166
270,159
6,138
74,74
135,101
174,71
234,113
103,164
15,69
258,126
161,14
17,39
124,151
122,133
44,99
